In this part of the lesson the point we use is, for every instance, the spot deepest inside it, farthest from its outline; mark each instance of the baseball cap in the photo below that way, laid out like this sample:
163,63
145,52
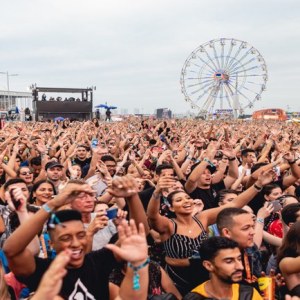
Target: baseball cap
52,164
212,169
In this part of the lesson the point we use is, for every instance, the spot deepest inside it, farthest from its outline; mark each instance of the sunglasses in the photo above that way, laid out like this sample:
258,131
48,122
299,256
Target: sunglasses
26,173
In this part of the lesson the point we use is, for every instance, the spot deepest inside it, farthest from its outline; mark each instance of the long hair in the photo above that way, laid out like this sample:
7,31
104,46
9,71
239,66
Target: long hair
4,294
36,186
291,243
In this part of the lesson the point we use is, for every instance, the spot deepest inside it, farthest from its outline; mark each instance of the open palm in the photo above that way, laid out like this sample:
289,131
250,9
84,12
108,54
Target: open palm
133,243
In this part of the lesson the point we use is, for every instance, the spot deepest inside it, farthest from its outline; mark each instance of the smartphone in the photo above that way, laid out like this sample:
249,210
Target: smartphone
112,213
277,206
16,202
163,138
277,171
94,143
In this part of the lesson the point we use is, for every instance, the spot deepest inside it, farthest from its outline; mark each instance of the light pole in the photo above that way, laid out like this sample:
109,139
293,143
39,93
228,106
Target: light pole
8,91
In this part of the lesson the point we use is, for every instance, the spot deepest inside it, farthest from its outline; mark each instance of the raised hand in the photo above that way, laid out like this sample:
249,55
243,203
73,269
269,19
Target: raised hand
19,199
52,280
266,177
228,150
212,149
289,156
279,279
73,172
98,223
164,183
16,146
41,147
266,210
134,248
125,186
101,166
121,216
71,192
131,155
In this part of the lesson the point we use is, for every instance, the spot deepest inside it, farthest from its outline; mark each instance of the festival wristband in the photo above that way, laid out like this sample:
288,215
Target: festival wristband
260,221
47,208
136,276
209,162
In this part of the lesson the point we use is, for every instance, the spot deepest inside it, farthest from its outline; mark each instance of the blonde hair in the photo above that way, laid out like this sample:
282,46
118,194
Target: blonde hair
4,294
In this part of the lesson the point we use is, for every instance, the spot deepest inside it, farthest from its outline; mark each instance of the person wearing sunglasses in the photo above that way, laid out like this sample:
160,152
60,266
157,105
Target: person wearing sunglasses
27,175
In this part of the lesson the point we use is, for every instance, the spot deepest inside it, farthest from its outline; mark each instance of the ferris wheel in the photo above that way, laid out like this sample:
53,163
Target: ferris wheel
223,75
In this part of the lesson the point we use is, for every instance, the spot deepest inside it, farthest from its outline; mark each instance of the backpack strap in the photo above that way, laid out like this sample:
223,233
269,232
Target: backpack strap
245,292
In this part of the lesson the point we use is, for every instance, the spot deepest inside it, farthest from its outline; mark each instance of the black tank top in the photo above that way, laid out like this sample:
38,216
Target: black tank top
182,246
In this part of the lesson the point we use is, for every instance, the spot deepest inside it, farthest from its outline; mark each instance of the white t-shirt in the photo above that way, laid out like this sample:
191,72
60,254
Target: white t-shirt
103,236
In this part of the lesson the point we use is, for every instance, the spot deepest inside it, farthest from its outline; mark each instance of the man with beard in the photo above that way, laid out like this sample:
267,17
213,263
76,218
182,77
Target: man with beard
110,163
82,159
202,185
238,224
222,258
54,171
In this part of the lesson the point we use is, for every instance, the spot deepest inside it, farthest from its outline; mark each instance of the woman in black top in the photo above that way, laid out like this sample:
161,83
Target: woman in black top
183,235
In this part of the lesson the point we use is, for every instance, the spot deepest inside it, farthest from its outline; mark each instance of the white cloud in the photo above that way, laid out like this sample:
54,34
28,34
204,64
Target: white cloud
133,51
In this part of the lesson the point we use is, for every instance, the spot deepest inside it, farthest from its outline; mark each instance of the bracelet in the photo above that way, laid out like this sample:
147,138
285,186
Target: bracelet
293,161
189,157
208,161
260,221
258,188
231,158
47,208
136,276
156,196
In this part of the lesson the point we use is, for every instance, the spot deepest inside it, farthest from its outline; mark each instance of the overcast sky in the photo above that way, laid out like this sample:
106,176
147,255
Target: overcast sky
133,50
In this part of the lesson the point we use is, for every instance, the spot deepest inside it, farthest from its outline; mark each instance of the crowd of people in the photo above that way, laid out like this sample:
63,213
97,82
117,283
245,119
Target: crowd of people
149,209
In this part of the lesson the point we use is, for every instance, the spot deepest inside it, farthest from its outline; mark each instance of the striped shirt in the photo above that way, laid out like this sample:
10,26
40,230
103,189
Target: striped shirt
182,246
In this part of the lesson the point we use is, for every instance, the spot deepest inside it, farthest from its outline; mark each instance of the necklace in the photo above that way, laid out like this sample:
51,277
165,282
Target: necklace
188,229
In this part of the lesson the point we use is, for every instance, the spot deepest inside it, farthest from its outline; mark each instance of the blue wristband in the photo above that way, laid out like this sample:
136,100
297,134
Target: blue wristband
136,276
209,162
47,208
